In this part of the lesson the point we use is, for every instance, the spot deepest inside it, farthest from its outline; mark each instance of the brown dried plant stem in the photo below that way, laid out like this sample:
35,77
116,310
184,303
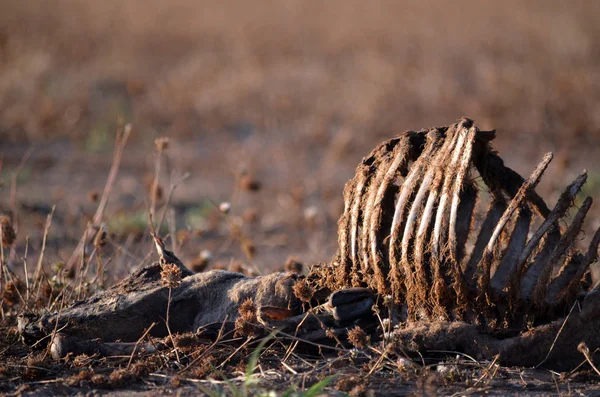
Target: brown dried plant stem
15,213
2,276
36,281
121,139
169,328
137,343
155,181
172,189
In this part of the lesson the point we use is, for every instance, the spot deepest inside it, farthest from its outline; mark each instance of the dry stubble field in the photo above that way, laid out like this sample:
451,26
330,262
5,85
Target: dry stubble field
268,106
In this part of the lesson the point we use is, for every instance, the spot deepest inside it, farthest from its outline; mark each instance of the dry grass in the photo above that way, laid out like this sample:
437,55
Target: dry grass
268,107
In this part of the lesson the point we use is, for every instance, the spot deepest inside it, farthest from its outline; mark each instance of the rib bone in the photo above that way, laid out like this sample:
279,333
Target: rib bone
566,241
486,260
559,210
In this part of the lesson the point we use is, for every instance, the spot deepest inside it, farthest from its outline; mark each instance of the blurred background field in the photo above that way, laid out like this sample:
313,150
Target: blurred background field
270,105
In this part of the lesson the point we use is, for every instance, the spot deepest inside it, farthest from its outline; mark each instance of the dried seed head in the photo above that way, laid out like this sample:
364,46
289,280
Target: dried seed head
11,292
360,391
583,349
170,275
244,324
121,377
7,230
46,290
100,239
293,265
175,381
249,184
247,310
81,360
348,383
100,381
303,290
93,196
162,144
358,337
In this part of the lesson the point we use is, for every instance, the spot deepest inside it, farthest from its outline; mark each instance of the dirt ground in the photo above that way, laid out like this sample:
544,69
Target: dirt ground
269,106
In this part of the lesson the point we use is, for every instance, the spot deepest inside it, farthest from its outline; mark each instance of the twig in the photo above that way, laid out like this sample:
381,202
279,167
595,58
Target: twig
154,188
169,329
38,268
121,140
487,370
246,342
558,334
55,330
236,234
583,349
293,371
138,342
24,258
170,197
2,261
208,349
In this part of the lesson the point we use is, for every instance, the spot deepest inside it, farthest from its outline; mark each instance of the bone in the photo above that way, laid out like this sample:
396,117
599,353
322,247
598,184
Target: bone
406,190
466,208
567,272
486,260
525,281
567,281
517,240
459,186
563,204
449,173
566,242
385,172
492,216
344,226
499,177
574,286
348,224
411,179
354,221
425,222
434,177
399,164
430,185
367,269
465,136
420,246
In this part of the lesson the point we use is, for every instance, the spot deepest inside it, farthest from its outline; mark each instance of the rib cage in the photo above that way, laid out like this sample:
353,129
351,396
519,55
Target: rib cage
408,230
